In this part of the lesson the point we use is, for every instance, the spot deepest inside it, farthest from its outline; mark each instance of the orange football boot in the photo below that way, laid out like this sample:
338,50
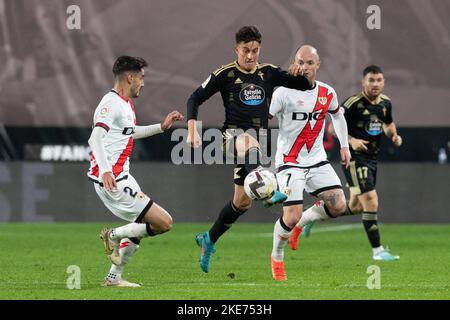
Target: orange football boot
278,272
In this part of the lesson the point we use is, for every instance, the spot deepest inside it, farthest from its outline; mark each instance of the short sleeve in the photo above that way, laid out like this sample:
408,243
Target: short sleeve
347,107
276,105
388,119
105,115
334,105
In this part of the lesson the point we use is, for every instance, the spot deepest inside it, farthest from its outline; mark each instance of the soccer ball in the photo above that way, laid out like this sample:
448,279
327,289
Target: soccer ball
260,184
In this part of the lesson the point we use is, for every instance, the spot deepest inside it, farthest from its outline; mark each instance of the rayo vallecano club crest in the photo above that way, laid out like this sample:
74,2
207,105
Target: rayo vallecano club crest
322,100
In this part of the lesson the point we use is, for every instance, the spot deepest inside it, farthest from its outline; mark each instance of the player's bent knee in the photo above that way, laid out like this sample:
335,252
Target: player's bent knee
162,226
335,203
372,206
242,203
339,208
356,209
159,219
291,221
292,215
370,203
246,141
167,224
243,206
355,206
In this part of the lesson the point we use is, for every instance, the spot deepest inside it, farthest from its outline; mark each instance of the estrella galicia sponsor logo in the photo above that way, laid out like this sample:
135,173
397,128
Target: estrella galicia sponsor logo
252,95
374,128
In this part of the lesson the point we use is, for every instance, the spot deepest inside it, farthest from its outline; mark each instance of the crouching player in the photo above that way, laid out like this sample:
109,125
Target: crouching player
111,142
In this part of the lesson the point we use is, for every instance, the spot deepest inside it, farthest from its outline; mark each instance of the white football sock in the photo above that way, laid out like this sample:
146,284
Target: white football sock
126,251
132,230
315,213
377,250
280,238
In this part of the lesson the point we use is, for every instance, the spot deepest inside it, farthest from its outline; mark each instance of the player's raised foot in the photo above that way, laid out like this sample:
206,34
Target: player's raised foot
277,197
111,246
307,229
278,272
385,255
119,283
208,248
294,238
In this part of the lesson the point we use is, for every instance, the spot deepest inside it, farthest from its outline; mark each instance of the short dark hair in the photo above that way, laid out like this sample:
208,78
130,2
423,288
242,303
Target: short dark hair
127,63
372,69
248,34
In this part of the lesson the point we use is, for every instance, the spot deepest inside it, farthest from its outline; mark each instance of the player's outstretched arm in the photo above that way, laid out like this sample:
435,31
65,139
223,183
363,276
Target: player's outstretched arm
293,80
171,118
148,131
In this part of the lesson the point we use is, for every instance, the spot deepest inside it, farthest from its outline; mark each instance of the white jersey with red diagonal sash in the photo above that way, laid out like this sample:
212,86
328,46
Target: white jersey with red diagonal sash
116,115
301,118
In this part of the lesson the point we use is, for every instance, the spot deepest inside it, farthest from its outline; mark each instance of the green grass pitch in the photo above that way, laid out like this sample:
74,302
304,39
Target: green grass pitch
331,264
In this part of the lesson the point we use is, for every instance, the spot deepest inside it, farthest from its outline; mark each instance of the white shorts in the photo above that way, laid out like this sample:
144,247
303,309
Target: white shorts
128,202
293,180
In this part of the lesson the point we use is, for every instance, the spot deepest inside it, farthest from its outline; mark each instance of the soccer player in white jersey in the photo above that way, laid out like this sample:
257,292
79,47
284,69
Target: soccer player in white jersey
111,142
300,157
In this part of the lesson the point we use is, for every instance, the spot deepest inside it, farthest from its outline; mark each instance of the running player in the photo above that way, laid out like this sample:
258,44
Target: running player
246,87
368,114
300,158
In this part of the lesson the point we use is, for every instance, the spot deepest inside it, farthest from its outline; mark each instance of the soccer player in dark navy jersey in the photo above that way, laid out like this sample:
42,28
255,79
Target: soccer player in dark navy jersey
246,87
368,115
